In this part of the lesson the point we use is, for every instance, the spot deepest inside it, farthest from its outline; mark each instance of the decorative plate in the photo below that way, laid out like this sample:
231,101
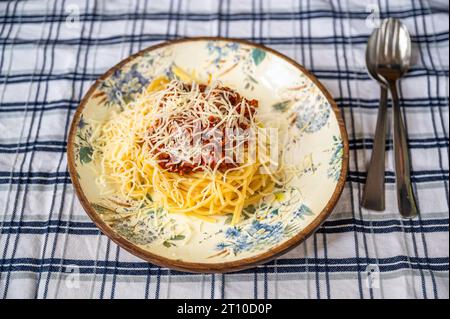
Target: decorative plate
285,90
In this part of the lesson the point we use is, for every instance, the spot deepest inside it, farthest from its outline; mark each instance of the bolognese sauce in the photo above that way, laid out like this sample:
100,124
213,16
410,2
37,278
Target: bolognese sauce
217,110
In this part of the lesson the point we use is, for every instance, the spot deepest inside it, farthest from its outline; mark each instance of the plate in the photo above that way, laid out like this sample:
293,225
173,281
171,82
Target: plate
288,94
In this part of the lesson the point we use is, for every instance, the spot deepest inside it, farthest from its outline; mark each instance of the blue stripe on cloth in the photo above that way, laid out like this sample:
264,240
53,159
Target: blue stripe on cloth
101,269
441,37
316,258
227,17
335,265
329,223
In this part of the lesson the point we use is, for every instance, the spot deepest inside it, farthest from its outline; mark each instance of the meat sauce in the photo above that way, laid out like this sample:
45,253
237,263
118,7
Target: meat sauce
211,159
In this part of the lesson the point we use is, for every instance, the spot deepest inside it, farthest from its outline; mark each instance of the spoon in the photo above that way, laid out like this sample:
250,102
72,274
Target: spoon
391,56
373,196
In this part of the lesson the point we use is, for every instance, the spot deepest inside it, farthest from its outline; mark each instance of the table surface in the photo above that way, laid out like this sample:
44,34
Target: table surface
50,53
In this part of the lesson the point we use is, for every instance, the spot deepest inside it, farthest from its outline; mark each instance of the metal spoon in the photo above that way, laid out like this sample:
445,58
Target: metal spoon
392,58
373,196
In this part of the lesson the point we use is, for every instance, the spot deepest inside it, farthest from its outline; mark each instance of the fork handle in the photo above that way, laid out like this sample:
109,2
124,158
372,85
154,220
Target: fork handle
373,196
405,196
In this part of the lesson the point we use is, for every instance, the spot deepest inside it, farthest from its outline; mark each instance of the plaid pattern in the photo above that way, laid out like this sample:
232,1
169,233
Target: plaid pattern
51,51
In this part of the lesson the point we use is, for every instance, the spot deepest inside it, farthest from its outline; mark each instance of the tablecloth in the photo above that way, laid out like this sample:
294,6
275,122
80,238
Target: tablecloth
50,53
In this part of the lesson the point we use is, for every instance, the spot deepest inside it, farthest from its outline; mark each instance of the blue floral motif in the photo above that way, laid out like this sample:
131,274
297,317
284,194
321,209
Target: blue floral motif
232,52
169,72
221,246
258,55
335,162
222,51
81,123
258,234
253,236
232,232
140,237
264,231
313,114
123,85
241,244
138,229
83,147
302,212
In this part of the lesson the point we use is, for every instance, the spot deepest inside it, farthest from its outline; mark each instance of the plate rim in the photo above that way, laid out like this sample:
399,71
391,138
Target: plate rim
198,267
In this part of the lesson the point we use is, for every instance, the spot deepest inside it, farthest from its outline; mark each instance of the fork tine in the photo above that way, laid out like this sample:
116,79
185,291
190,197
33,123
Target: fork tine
380,53
390,36
396,52
384,38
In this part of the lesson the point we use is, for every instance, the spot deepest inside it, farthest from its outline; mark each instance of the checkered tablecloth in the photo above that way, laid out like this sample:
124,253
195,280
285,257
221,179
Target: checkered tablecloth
51,51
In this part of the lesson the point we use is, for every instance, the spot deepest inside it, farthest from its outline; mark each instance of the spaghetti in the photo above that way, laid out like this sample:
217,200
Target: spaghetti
150,152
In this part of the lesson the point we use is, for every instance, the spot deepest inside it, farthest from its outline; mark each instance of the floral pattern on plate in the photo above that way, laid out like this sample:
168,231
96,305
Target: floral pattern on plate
267,226
226,56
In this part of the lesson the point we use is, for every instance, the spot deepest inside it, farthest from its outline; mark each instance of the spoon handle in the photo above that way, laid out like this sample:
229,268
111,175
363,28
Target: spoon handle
405,196
373,197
